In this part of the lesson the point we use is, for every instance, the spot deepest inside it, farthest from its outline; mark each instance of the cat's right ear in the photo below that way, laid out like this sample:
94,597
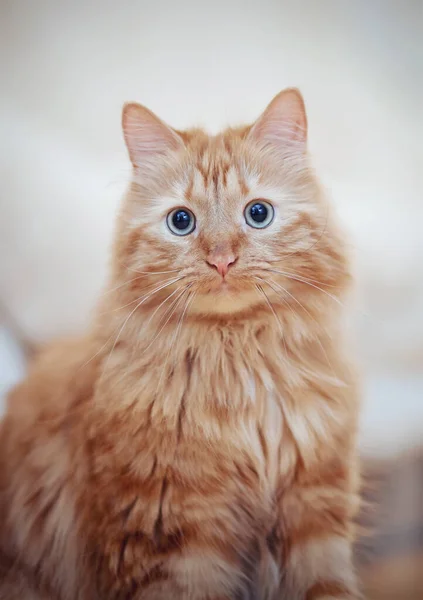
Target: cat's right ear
146,136
283,125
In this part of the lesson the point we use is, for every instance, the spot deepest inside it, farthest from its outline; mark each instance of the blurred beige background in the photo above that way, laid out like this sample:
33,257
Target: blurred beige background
67,68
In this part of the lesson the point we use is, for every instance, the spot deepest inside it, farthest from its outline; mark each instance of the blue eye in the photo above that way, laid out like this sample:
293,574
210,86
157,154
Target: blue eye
259,214
181,221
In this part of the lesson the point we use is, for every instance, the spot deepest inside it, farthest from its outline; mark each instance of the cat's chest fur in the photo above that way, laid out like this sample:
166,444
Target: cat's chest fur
192,456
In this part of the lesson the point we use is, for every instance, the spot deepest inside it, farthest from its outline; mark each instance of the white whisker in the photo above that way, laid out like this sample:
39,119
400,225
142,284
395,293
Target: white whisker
164,302
144,299
172,312
177,329
169,351
306,311
303,280
173,306
148,272
270,305
97,353
281,298
189,301
135,279
154,272
296,275
166,283
119,286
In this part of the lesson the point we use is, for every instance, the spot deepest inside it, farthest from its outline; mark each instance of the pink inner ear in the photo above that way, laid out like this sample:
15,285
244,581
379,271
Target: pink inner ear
283,123
146,135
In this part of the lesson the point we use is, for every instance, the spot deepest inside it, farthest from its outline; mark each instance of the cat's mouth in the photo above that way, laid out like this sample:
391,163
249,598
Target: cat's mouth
221,287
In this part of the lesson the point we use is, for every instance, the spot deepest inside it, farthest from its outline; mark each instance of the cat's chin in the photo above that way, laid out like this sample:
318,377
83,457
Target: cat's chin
224,301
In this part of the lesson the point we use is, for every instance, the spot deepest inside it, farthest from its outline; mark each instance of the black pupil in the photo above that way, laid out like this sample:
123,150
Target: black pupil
181,219
258,212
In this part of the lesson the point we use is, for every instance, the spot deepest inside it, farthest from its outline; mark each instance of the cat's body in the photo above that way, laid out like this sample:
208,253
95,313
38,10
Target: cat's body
199,442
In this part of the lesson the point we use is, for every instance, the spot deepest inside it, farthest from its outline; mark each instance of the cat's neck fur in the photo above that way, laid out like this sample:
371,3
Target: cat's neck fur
206,376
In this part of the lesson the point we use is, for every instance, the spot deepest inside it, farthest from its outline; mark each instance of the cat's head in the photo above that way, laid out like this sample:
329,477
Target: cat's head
229,224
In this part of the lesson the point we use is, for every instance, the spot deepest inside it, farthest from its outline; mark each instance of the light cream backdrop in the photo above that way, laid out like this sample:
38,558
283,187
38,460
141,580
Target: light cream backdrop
67,68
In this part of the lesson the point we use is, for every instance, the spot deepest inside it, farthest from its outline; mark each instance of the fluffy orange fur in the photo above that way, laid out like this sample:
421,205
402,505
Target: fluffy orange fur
199,443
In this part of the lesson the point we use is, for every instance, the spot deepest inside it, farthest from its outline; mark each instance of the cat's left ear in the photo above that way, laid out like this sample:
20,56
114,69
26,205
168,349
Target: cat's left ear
283,124
146,136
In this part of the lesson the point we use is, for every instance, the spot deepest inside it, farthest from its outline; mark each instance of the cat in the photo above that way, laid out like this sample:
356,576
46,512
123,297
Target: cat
199,441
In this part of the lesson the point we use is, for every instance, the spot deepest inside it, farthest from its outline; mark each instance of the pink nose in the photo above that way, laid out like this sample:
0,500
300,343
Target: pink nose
221,263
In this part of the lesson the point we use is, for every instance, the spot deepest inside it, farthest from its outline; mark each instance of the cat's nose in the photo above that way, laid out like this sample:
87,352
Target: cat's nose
221,262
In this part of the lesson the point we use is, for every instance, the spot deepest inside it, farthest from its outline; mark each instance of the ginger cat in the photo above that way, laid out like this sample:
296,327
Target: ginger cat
199,443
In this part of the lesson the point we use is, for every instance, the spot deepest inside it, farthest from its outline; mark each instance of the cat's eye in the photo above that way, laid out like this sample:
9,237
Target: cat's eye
259,214
181,221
